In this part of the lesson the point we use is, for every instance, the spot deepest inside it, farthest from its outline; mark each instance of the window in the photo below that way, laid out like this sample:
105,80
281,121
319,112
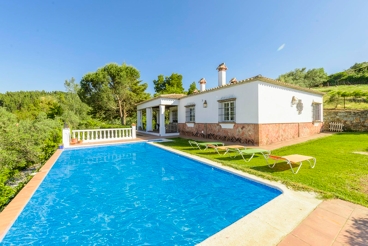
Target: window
317,116
174,115
227,111
190,114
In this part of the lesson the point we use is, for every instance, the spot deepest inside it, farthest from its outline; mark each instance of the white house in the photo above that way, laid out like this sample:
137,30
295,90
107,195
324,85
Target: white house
257,111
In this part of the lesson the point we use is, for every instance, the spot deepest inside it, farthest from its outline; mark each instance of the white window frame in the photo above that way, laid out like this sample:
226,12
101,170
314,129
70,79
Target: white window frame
190,113
227,110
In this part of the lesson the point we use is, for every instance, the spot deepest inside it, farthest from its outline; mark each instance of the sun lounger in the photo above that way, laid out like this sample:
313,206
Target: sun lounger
253,151
226,148
241,150
203,145
292,159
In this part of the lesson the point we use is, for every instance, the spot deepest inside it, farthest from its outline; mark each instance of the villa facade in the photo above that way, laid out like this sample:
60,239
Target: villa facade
258,111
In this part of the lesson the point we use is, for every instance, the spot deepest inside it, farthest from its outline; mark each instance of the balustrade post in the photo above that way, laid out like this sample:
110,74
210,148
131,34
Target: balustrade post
66,137
134,134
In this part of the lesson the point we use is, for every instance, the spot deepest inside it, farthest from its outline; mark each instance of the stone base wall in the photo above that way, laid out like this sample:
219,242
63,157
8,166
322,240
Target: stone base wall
251,134
241,133
273,133
353,120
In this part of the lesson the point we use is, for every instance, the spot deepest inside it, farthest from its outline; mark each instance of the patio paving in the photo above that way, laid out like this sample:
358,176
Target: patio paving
333,222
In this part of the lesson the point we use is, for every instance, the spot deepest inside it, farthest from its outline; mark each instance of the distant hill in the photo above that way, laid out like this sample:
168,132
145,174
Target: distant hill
355,96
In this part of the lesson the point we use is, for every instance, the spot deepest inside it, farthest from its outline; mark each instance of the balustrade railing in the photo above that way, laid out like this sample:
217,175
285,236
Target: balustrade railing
98,135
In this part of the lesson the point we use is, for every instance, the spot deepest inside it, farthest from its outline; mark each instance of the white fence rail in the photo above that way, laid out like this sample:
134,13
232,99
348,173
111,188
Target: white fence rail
99,135
336,127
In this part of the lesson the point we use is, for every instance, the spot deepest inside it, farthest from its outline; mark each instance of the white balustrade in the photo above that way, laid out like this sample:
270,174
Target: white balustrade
99,135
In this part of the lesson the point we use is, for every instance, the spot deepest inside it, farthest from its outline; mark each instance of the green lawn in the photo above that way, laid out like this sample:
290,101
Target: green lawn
338,173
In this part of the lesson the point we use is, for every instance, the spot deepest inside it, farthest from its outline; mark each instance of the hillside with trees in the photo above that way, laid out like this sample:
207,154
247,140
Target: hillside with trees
344,90
31,121
30,131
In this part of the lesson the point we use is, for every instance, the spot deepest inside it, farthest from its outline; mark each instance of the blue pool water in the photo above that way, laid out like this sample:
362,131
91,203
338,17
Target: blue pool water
133,194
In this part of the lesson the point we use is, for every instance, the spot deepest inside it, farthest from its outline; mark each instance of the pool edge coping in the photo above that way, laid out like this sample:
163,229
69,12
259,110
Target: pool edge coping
247,231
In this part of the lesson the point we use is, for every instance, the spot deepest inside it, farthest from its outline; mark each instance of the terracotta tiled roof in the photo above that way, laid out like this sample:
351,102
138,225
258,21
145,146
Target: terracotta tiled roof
263,79
252,79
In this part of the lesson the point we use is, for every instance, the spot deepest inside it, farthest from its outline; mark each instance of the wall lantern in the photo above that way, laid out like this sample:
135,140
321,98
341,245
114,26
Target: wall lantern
299,106
205,104
294,101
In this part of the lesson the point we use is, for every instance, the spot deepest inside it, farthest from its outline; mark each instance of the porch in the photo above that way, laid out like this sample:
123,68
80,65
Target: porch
159,116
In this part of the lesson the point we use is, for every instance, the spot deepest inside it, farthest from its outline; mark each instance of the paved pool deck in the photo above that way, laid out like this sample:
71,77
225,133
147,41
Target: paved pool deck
298,218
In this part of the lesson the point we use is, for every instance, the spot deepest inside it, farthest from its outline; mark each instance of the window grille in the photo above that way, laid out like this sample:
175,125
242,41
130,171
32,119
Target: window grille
190,114
227,111
317,111
174,115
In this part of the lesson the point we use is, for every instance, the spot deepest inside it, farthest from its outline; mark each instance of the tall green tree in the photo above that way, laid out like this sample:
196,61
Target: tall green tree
113,91
172,84
74,110
192,88
315,77
296,77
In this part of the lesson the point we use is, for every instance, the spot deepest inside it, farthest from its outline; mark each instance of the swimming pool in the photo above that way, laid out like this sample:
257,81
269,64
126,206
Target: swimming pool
133,194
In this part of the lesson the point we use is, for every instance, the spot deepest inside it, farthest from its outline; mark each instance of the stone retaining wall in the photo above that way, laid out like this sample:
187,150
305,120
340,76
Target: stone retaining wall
353,120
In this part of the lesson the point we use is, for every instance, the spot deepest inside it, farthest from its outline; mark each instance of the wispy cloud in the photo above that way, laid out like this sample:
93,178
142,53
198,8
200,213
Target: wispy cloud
281,47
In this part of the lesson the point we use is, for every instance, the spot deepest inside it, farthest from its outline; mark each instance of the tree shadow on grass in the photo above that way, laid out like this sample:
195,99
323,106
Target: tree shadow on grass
209,153
358,232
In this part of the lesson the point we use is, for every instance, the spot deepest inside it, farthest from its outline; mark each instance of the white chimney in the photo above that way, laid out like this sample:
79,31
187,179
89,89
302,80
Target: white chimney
221,74
202,83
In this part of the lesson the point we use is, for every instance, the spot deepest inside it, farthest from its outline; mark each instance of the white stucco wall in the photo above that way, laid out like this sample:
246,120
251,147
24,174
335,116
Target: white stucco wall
275,104
156,102
256,103
246,104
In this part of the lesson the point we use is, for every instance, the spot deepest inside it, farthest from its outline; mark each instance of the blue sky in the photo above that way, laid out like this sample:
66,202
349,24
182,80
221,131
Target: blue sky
43,43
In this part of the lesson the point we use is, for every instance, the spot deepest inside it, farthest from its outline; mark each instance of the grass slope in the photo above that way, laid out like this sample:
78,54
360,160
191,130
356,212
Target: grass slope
338,172
350,102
